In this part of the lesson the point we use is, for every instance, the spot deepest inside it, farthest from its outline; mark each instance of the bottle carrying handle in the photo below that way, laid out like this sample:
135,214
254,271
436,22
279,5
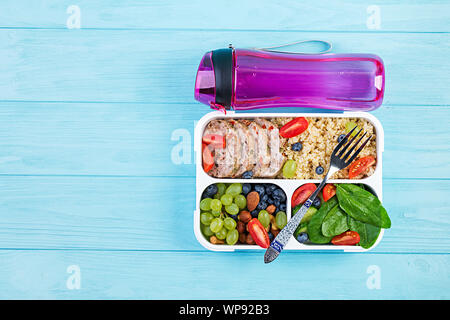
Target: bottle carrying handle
327,43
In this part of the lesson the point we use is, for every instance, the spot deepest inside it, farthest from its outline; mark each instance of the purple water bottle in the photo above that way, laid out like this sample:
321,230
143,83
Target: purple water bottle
244,79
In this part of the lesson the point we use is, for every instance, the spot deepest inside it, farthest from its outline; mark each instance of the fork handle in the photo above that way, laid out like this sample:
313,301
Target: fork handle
286,233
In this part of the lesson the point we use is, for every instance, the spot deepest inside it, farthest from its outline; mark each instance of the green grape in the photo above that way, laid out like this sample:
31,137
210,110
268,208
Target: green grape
289,169
216,196
216,205
222,234
232,208
241,201
205,204
234,189
220,189
232,237
229,223
216,213
206,231
281,219
264,218
216,225
349,126
206,218
226,199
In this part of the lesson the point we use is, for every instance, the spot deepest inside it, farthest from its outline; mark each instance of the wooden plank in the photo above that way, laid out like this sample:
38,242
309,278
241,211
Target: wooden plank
417,16
160,66
157,214
188,275
143,139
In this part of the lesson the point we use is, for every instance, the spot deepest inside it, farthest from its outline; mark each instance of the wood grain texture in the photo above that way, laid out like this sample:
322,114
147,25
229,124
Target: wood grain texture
141,139
89,119
138,213
160,66
181,275
288,15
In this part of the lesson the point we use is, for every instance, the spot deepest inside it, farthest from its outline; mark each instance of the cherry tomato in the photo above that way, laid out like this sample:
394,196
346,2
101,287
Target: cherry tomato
258,233
294,127
302,194
214,140
328,192
348,238
208,158
359,166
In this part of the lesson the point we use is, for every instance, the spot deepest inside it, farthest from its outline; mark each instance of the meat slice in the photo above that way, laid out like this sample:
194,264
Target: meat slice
225,159
276,157
246,158
261,147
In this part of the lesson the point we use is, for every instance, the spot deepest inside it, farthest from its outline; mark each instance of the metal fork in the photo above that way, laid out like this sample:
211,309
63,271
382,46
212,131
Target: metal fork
338,161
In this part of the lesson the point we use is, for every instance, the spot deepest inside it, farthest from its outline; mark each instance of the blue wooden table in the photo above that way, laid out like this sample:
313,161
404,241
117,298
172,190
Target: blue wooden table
97,200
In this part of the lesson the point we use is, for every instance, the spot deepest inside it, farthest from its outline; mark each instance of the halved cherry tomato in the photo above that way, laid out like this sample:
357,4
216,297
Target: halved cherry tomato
328,192
359,166
215,140
348,238
302,194
294,127
258,233
208,158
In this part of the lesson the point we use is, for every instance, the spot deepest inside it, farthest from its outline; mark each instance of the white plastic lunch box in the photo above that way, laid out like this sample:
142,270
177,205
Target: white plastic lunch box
203,180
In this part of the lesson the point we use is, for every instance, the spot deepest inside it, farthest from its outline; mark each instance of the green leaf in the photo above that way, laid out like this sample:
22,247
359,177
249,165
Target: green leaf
335,222
361,205
368,233
315,224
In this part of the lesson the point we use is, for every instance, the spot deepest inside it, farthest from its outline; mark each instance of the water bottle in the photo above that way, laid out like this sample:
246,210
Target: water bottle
244,79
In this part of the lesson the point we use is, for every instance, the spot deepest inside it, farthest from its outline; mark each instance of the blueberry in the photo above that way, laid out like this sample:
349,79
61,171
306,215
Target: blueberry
279,194
277,202
264,197
247,174
246,188
271,236
254,213
317,202
270,201
261,205
297,146
211,190
260,189
341,137
282,207
319,170
234,217
270,188
302,237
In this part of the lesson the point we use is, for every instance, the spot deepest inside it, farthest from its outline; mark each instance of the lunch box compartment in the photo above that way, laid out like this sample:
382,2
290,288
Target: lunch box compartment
203,180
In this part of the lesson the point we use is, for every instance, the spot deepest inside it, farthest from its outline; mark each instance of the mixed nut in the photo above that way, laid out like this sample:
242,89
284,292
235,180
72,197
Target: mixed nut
245,213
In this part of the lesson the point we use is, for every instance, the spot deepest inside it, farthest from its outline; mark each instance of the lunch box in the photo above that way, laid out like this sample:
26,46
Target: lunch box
203,180
217,83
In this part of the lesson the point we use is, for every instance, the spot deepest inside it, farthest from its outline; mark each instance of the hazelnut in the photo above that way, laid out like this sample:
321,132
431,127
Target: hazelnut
242,238
275,232
214,240
252,200
249,239
240,227
245,216
271,209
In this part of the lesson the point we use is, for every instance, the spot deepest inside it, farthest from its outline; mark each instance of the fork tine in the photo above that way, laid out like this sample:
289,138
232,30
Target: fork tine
348,144
359,150
349,152
344,140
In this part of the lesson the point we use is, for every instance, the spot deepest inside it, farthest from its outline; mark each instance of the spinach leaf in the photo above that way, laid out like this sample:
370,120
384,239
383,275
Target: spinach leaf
335,222
361,205
315,224
368,233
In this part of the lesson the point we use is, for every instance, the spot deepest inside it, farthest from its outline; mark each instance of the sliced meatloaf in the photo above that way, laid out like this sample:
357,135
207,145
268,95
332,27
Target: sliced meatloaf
276,158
